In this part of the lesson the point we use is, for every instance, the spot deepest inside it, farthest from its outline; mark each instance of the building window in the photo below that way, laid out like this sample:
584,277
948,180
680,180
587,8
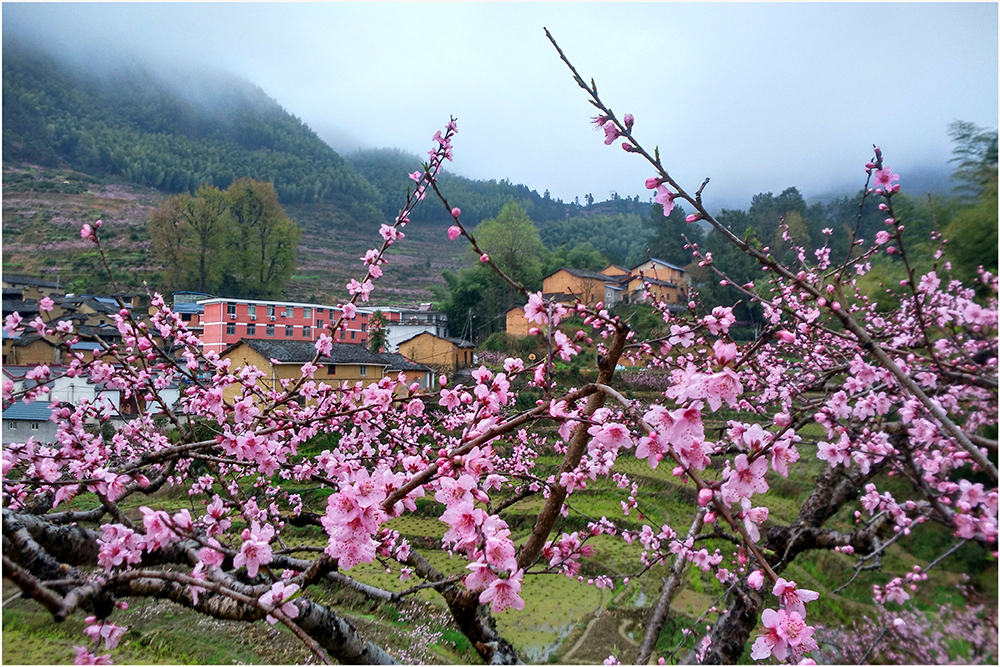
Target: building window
251,330
307,312
231,329
270,330
307,332
353,334
231,308
270,311
252,310
362,371
289,311
331,369
319,311
11,426
319,324
185,317
34,426
364,327
289,331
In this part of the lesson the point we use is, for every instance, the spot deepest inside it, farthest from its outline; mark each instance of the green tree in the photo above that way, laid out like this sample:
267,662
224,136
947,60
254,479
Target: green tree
239,241
512,242
666,238
261,239
376,331
170,235
972,233
207,215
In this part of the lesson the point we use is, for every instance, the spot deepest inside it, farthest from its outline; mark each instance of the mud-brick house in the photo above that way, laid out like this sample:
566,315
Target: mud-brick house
439,352
283,360
28,348
517,323
414,372
667,282
588,286
32,288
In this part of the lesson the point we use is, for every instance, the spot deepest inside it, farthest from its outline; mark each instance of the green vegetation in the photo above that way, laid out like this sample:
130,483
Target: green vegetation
138,125
239,241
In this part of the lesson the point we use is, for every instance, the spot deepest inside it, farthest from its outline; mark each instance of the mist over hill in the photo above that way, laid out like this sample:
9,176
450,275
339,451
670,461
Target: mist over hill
173,132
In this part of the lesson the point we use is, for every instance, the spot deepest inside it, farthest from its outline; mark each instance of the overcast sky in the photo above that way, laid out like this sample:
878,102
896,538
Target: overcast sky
758,97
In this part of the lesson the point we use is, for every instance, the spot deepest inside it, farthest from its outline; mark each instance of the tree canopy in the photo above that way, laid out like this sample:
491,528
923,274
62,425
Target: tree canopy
238,241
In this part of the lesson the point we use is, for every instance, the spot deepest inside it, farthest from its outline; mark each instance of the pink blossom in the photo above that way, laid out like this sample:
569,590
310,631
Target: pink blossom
745,479
756,580
12,322
664,197
771,642
481,577
610,133
454,232
884,177
279,597
504,593
110,632
793,599
85,657
255,550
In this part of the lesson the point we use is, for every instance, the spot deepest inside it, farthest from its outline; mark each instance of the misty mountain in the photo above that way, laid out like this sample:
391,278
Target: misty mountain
171,131
388,170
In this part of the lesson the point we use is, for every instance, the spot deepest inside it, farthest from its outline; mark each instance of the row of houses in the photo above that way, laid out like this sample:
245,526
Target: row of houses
278,337
653,279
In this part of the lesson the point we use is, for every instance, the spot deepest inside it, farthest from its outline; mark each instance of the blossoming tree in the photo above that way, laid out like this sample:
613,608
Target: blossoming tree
907,394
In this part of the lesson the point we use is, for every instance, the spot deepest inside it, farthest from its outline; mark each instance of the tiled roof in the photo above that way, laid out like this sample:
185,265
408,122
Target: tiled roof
659,261
397,362
457,342
38,411
26,280
301,351
582,273
22,307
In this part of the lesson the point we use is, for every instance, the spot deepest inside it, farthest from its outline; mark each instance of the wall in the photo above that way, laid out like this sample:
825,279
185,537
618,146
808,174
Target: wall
589,290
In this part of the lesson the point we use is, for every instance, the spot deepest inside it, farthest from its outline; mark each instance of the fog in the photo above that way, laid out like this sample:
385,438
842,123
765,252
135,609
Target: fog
757,97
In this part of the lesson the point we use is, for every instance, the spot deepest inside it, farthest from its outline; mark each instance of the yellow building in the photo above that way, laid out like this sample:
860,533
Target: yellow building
438,352
667,282
30,349
284,359
588,286
517,323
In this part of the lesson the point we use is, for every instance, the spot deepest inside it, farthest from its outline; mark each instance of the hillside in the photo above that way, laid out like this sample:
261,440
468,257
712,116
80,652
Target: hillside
44,209
172,135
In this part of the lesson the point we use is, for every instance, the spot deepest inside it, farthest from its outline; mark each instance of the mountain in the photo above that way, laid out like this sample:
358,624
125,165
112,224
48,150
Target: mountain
170,132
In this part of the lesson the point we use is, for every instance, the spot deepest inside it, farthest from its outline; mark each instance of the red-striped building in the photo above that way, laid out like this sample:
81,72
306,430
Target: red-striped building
225,321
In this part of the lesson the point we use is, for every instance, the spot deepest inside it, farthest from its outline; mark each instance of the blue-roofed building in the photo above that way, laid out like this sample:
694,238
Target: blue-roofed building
24,421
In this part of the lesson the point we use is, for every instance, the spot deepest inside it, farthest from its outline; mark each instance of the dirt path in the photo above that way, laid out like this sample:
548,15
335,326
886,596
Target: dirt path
583,637
621,630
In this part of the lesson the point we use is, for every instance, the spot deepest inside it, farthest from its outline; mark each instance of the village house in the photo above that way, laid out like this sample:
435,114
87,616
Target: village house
667,282
31,288
23,421
439,352
283,360
588,286
405,323
612,285
517,323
